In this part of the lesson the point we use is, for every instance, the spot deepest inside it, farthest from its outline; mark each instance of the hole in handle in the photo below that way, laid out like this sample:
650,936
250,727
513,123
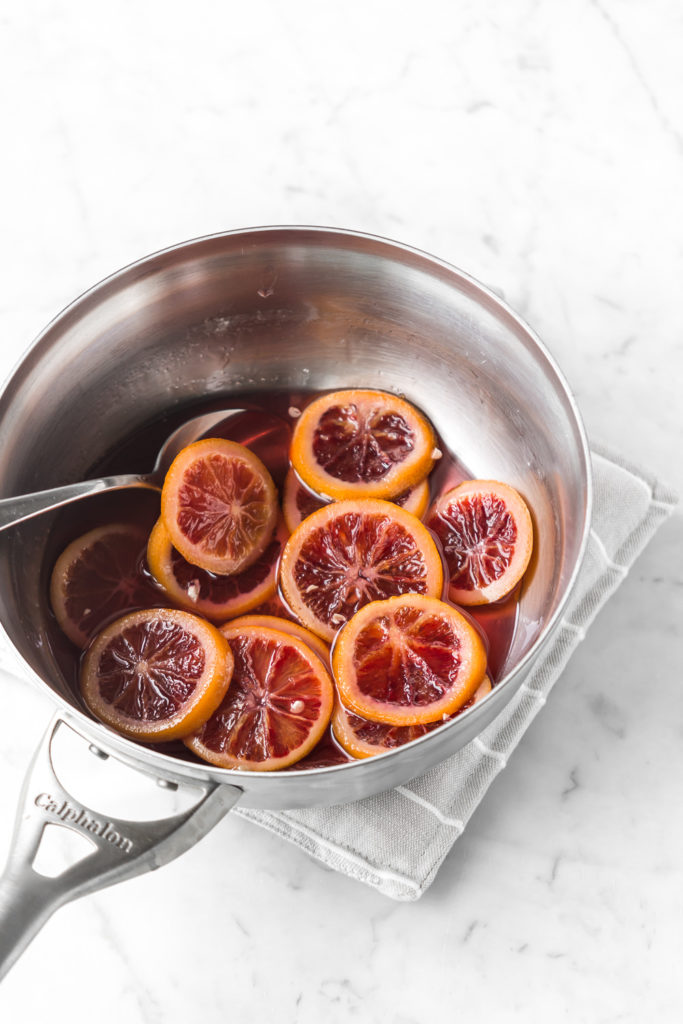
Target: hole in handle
59,849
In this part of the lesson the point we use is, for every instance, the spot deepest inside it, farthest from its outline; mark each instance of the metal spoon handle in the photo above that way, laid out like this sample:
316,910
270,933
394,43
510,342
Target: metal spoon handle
25,506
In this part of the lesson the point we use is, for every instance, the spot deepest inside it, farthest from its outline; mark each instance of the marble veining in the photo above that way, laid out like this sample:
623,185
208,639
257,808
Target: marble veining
539,147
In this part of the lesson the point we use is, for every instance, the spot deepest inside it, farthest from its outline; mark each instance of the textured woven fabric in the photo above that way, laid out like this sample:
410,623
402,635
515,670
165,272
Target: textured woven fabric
367,839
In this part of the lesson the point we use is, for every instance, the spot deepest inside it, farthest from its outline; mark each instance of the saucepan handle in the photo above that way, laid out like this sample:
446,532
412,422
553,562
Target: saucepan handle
121,849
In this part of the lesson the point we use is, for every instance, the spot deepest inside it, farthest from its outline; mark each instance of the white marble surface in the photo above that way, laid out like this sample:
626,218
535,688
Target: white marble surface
540,147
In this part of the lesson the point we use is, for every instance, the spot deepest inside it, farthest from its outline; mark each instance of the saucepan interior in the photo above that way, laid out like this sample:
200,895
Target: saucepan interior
293,309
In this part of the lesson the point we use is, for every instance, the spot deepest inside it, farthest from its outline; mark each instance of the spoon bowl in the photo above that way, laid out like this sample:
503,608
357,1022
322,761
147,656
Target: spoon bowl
220,423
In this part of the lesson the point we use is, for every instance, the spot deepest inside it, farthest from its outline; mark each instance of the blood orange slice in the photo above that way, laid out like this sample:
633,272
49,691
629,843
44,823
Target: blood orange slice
298,502
361,444
284,626
277,708
408,660
97,578
350,553
487,537
274,606
219,505
414,500
326,753
362,738
157,674
215,597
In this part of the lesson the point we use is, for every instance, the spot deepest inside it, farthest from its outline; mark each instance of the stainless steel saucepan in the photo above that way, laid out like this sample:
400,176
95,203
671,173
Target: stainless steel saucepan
267,309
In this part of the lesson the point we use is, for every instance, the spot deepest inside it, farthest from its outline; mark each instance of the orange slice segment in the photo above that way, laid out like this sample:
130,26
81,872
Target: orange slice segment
408,660
97,578
156,675
215,597
350,553
486,533
219,505
277,708
361,444
298,502
362,738
283,626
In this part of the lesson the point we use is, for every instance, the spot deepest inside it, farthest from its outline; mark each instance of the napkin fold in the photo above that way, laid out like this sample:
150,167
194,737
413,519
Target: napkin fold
397,841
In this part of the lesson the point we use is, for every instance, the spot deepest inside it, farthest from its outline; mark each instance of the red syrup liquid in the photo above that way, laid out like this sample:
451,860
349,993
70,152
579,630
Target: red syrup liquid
264,426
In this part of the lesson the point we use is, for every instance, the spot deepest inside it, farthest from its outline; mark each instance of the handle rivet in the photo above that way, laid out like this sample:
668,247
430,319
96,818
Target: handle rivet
97,752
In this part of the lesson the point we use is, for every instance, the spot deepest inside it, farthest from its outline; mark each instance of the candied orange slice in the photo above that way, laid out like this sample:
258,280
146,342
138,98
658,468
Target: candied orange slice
277,708
361,444
486,534
350,553
325,753
298,502
408,660
215,597
157,674
97,578
219,505
414,500
362,738
283,626
274,606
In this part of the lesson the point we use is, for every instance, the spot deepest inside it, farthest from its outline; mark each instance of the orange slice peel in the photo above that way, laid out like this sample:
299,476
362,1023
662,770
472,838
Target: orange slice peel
281,625
298,502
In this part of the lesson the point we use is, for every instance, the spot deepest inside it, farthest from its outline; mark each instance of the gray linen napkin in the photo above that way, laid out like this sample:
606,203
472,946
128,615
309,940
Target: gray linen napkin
367,839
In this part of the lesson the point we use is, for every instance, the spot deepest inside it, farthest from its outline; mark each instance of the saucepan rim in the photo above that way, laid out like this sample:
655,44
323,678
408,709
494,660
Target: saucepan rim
173,767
